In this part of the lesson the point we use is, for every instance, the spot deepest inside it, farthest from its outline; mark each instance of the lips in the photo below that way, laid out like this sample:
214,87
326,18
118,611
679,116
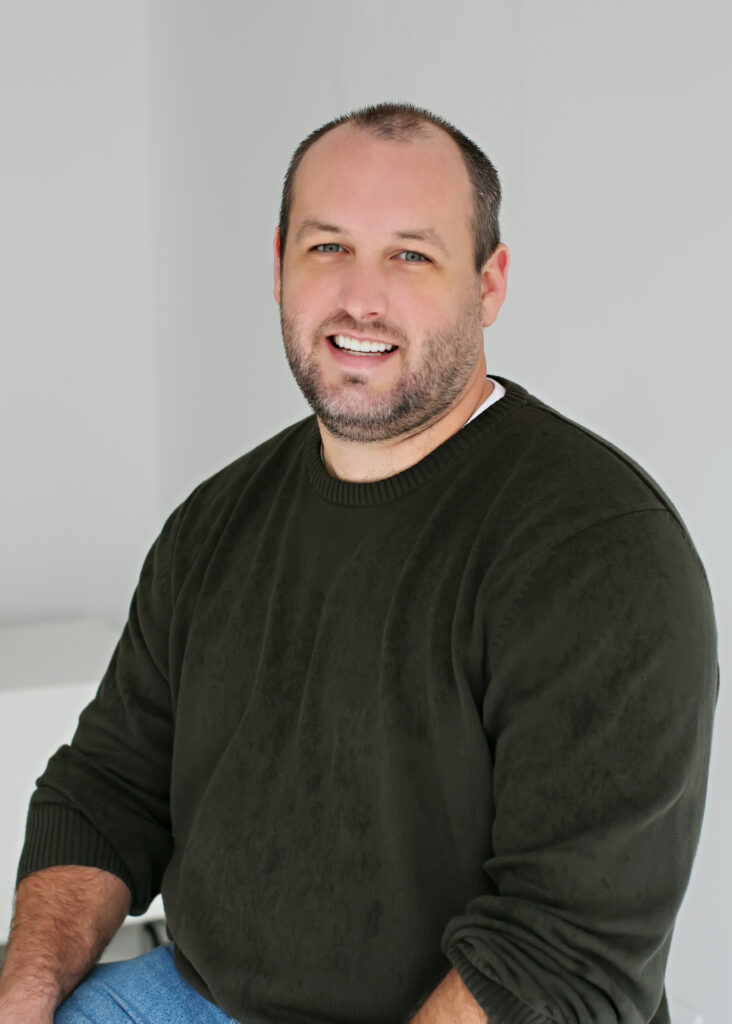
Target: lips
353,359
355,344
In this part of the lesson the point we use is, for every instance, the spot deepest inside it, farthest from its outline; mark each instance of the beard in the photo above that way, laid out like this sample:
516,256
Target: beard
444,362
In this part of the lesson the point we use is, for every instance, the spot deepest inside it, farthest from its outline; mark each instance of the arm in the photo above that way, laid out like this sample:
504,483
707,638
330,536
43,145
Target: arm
602,684
103,799
64,917
450,1003
98,835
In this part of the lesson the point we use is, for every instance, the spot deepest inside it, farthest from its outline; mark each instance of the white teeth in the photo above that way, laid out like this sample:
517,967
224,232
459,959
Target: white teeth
343,341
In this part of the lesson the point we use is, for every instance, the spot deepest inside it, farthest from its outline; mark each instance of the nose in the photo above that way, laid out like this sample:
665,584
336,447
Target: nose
363,291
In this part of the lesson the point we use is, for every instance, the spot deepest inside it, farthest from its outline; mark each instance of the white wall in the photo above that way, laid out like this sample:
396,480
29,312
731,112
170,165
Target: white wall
77,426
609,129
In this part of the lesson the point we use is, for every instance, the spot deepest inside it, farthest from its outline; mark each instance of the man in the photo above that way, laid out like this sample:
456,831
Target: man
412,711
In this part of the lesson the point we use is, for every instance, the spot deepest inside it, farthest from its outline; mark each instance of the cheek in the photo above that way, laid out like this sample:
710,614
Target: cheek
306,297
423,312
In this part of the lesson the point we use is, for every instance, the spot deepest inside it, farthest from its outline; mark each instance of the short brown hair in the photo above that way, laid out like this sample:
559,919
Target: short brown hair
405,121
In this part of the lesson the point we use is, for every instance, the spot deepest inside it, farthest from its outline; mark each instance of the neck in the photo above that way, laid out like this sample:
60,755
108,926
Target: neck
362,462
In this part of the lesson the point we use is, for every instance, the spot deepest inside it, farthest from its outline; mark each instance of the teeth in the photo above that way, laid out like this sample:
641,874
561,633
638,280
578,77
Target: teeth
343,341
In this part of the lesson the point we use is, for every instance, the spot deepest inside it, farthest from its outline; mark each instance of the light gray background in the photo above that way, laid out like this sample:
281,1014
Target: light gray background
142,149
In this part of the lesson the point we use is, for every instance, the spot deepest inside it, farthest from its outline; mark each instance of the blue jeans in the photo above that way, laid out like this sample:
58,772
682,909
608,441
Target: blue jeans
144,990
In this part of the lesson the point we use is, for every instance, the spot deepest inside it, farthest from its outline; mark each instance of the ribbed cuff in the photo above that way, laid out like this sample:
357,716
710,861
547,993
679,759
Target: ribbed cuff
58,835
499,1005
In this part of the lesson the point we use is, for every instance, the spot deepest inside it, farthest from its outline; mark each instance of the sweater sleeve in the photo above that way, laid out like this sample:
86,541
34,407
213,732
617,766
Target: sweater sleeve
103,799
603,679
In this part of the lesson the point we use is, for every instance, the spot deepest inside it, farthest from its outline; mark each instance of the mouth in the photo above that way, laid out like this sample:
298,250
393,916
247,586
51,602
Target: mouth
346,346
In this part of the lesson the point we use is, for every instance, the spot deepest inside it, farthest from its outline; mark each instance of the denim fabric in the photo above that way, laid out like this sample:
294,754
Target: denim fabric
145,990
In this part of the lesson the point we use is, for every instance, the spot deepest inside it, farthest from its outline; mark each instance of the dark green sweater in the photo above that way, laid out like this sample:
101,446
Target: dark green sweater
360,733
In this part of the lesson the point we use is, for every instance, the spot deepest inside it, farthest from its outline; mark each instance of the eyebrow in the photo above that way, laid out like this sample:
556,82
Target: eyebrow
415,234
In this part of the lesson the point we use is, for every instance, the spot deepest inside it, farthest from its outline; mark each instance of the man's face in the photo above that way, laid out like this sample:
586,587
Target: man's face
350,271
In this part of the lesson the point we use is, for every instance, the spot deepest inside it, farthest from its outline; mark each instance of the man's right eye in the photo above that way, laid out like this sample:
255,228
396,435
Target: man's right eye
327,247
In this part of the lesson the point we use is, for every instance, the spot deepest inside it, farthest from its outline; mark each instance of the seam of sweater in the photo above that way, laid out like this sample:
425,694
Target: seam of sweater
389,490
403,494
619,454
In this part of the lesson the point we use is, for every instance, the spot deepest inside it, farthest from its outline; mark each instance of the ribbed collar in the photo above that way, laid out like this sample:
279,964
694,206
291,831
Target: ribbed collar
379,492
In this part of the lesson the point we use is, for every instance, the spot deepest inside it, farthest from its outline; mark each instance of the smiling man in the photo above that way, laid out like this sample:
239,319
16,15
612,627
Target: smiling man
412,713
386,343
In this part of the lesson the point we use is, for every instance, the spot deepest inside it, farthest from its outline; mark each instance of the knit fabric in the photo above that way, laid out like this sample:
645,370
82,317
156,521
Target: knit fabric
362,732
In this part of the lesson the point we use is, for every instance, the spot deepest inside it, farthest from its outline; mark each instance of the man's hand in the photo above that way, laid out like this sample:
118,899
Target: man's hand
450,1003
64,917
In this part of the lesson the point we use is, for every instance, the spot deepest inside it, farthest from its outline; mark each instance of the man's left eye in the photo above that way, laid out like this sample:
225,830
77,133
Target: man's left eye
408,255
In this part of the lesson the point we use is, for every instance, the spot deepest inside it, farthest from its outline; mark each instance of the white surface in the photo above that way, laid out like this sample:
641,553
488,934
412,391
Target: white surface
48,673
46,654
681,1014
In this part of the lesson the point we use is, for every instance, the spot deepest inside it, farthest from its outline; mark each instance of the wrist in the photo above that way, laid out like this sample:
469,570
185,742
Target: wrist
34,990
28,1003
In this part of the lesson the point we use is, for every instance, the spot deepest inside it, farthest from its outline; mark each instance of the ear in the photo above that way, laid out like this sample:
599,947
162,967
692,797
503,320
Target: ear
277,275
493,278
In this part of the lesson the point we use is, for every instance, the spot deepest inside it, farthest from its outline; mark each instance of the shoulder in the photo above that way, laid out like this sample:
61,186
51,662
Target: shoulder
268,457
552,461
251,478
547,481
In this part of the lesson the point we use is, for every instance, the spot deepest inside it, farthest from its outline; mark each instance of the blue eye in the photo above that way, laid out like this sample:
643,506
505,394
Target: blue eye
406,256
407,253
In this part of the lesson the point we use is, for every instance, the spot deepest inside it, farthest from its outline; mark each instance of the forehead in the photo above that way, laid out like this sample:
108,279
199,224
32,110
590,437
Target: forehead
355,179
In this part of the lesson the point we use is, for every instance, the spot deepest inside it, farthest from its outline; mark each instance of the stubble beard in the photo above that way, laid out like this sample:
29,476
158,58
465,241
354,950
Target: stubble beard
422,394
